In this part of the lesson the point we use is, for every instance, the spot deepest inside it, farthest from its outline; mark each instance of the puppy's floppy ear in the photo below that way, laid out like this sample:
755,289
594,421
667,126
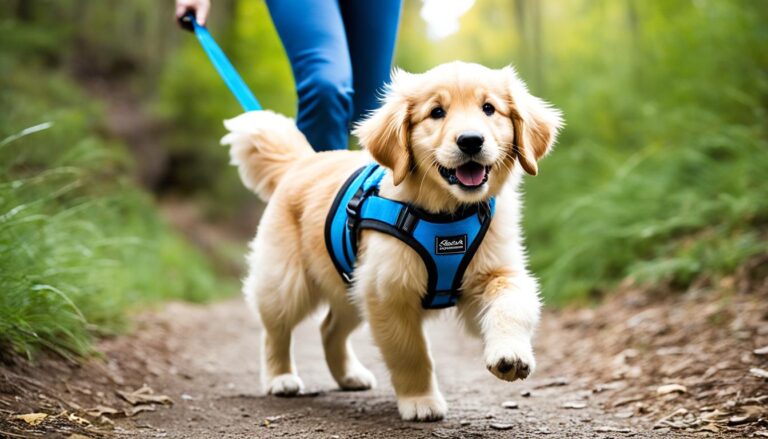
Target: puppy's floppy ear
386,132
536,122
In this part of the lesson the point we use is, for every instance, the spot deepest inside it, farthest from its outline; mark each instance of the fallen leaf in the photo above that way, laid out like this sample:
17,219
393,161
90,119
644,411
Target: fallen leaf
756,400
665,421
100,410
78,420
628,400
509,404
144,395
133,411
574,405
713,428
32,418
760,373
748,414
671,388
715,415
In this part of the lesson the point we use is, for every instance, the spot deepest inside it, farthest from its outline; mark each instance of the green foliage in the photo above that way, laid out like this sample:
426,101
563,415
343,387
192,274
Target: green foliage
79,243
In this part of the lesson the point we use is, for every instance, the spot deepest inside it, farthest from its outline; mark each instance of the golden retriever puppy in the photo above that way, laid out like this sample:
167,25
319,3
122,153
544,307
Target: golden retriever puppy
414,135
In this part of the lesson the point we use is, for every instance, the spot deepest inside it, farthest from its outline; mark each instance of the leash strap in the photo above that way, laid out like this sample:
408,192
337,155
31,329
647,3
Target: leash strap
220,61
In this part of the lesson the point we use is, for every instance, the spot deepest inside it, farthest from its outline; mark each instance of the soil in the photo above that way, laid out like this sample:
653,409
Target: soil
642,364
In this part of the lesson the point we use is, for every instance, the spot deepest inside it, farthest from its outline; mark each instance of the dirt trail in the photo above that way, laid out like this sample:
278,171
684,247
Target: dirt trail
599,376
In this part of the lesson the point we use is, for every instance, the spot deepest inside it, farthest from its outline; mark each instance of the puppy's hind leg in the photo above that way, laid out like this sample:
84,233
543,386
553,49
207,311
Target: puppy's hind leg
281,303
346,369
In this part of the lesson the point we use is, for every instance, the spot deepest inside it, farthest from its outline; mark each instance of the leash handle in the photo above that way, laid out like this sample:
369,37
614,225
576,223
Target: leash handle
220,61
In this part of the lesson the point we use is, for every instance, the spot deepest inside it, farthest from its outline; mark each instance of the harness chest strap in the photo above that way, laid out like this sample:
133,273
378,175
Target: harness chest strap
445,243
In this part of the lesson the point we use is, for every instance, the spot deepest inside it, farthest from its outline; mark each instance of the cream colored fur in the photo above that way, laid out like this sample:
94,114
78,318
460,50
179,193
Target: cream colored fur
291,273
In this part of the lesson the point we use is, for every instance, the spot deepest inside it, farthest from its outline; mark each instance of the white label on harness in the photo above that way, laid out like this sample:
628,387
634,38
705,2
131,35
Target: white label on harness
450,245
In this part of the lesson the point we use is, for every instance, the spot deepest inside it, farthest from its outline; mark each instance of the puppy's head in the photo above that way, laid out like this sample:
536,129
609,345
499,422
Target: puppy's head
459,129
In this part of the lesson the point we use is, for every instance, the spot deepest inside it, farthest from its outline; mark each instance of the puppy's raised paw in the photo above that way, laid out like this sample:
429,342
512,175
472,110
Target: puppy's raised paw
358,378
285,385
512,363
428,408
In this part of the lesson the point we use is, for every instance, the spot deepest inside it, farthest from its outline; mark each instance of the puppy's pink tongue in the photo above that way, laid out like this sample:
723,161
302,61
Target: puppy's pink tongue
471,174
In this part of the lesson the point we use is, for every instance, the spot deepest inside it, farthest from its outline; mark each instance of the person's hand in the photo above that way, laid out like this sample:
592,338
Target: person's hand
201,8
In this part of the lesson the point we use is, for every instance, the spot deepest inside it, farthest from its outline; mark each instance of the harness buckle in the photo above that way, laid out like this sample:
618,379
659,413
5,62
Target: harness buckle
406,220
353,208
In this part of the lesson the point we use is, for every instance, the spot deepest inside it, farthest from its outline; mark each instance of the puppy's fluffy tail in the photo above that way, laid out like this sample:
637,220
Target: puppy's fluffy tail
263,146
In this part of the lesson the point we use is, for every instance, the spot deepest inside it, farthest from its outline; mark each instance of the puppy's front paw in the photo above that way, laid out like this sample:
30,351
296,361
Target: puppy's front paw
358,378
286,384
426,408
511,362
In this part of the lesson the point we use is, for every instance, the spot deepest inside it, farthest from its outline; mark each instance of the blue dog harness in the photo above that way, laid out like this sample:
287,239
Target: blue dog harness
445,242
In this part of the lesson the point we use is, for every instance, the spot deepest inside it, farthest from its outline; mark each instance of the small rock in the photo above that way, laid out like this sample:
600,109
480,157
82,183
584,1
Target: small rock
671,388
489,416
574,405
464,423
525,393
509,405
500,426
760,373
762,351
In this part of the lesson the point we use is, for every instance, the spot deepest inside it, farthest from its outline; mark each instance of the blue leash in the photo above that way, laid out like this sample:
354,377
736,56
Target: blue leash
225,68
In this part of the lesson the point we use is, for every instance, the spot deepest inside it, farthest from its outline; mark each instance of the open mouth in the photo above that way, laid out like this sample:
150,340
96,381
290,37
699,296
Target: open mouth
470,175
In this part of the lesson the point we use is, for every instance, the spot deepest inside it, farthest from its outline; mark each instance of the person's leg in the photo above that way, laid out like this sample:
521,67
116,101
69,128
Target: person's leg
371,34
312,32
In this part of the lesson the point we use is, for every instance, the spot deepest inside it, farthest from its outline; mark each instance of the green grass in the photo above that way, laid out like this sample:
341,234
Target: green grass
663,215
80,245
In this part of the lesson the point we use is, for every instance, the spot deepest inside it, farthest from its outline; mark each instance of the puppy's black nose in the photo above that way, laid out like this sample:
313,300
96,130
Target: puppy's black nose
470,142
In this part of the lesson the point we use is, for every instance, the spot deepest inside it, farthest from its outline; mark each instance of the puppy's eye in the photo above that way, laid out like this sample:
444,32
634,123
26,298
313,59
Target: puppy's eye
488,109
437,113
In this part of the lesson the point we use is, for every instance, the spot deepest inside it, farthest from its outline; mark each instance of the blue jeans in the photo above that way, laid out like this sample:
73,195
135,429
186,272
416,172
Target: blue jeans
341,56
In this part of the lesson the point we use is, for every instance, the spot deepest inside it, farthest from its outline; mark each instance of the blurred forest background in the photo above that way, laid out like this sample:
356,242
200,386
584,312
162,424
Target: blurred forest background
114,192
